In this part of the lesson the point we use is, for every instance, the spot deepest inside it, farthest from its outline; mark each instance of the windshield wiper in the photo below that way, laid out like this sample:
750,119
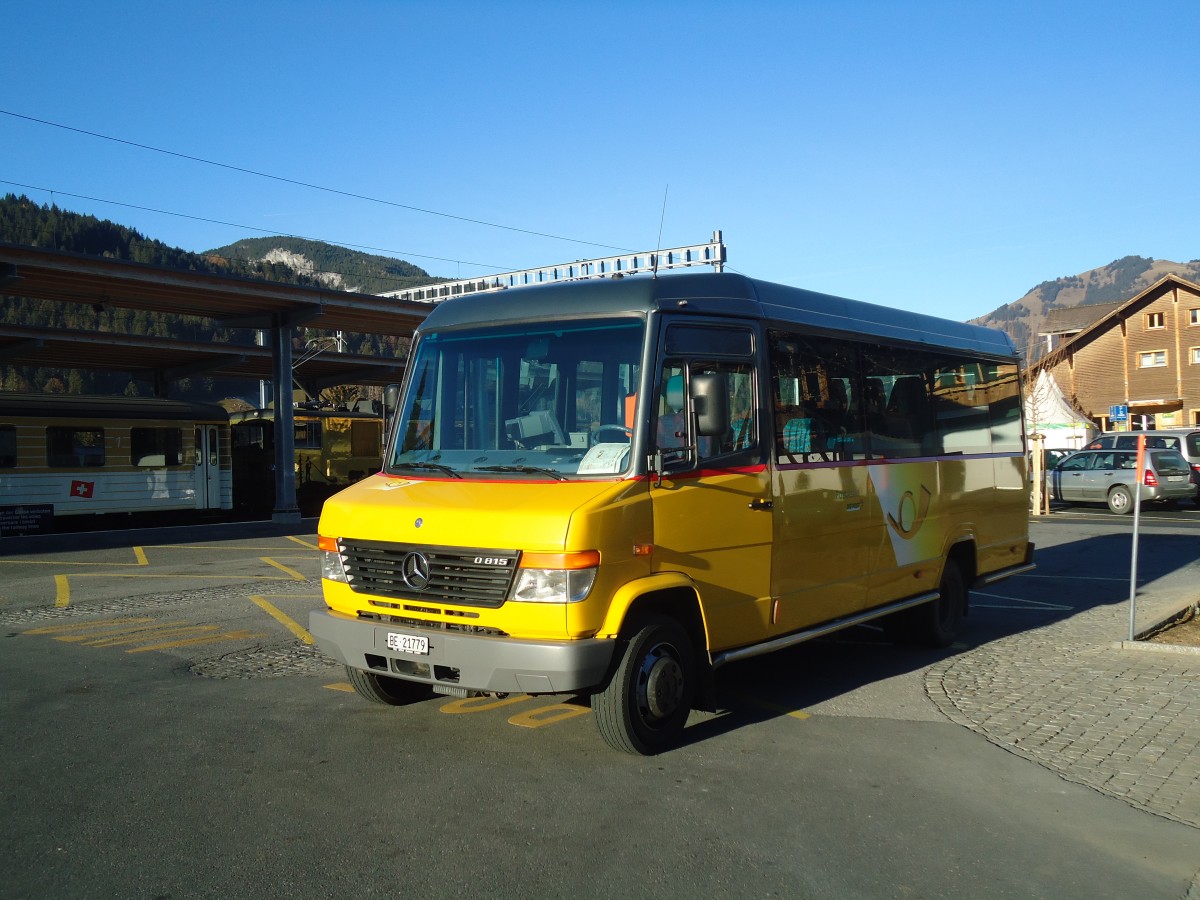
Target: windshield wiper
529,469
427,465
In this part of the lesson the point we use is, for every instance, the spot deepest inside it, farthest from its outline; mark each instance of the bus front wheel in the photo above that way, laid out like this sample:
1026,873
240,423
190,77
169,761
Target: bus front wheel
646,703
386,690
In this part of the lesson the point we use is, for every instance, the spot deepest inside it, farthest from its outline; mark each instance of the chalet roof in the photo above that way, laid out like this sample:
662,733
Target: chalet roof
1120,313
1070,319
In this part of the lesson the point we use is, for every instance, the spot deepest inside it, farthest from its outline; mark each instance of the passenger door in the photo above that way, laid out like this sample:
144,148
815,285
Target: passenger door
1069,477
207,472
710,490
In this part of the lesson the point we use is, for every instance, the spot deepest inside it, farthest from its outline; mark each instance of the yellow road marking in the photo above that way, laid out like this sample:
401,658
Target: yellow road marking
62,588
170,575
479,704
767,704
344,686
62,591
548,715
80,626
108,631
165,630
115,632
230,551
287,621
206,639
302,543
296,576
138,552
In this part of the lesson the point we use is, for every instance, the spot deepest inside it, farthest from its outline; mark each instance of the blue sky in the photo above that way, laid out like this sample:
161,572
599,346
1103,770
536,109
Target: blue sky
941,157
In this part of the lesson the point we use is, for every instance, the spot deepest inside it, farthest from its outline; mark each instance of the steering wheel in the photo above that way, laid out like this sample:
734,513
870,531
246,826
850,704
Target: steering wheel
627,433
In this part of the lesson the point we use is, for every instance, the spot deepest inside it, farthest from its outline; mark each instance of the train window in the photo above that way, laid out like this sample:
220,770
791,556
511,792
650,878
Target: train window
156,446
250,434
308,436
8,446
69,448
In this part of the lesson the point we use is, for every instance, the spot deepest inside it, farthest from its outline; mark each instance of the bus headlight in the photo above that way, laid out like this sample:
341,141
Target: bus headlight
331,560
555,577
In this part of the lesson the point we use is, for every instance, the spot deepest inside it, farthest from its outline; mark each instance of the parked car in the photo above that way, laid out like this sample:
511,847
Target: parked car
1052,457
1185,440
1110,476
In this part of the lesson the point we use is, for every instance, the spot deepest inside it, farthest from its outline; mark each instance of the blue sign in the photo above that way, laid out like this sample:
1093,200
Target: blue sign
1119,413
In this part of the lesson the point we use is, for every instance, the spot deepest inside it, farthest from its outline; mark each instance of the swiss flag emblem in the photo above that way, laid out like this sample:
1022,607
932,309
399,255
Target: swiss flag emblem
82,488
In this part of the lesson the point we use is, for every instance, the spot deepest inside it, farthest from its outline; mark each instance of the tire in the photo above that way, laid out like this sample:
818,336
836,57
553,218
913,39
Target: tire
645,705
933,624
384,689
1120,501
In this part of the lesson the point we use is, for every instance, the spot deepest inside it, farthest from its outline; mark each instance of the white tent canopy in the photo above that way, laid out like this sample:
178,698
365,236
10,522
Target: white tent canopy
1048,413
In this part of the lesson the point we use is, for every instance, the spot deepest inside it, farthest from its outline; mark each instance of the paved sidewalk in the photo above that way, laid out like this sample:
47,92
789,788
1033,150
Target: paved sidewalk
1076,698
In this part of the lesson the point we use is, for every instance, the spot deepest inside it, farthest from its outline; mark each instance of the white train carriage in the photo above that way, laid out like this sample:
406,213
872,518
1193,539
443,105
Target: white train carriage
69,455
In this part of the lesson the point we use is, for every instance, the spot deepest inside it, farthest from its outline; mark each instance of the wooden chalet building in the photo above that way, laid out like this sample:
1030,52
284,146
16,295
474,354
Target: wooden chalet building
1143,354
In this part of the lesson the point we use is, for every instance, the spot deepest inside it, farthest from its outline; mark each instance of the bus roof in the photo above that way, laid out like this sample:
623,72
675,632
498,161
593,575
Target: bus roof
724,294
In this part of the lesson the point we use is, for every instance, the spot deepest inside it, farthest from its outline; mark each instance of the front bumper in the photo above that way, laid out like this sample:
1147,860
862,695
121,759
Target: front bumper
459,661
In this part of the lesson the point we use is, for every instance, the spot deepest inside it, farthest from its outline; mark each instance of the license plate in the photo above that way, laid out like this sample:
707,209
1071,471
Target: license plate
408,643
1174,478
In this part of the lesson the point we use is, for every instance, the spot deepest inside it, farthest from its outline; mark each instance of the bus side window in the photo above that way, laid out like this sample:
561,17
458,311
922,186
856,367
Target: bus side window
818,407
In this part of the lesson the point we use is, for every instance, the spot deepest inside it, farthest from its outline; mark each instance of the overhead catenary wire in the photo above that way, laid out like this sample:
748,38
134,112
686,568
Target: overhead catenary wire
306,184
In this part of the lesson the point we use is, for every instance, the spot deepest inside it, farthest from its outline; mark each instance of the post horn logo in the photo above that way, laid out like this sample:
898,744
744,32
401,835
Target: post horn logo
910,514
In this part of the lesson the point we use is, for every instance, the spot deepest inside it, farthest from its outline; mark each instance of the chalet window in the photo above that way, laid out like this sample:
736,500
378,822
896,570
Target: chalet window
1194,317
1152,359
1195,356
1155,320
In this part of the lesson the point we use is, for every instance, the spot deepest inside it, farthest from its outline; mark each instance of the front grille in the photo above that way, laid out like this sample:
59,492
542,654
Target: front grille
404,622
455,575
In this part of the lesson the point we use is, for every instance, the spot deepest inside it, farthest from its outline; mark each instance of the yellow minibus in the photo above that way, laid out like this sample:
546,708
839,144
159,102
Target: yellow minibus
613,487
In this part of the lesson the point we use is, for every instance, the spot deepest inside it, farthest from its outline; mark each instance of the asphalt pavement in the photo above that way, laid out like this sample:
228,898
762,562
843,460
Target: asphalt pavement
1070,693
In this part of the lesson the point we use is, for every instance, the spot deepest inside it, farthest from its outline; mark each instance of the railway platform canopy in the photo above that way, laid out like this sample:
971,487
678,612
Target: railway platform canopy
229,301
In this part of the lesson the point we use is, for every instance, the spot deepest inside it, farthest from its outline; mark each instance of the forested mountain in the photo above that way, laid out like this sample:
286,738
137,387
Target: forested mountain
1119,280
295,261
328,264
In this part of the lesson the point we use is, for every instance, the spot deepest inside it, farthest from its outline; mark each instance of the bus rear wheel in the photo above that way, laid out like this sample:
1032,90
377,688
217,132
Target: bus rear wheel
386,690
933,624
645,705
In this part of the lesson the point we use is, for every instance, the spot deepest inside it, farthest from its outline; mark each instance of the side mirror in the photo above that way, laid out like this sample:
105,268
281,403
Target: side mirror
710,399
391,400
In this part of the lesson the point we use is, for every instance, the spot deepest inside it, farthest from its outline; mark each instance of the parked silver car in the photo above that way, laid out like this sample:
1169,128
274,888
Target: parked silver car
1109,476
1185,440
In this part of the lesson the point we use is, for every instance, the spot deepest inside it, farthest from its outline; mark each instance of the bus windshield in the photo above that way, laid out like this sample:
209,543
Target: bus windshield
545,400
